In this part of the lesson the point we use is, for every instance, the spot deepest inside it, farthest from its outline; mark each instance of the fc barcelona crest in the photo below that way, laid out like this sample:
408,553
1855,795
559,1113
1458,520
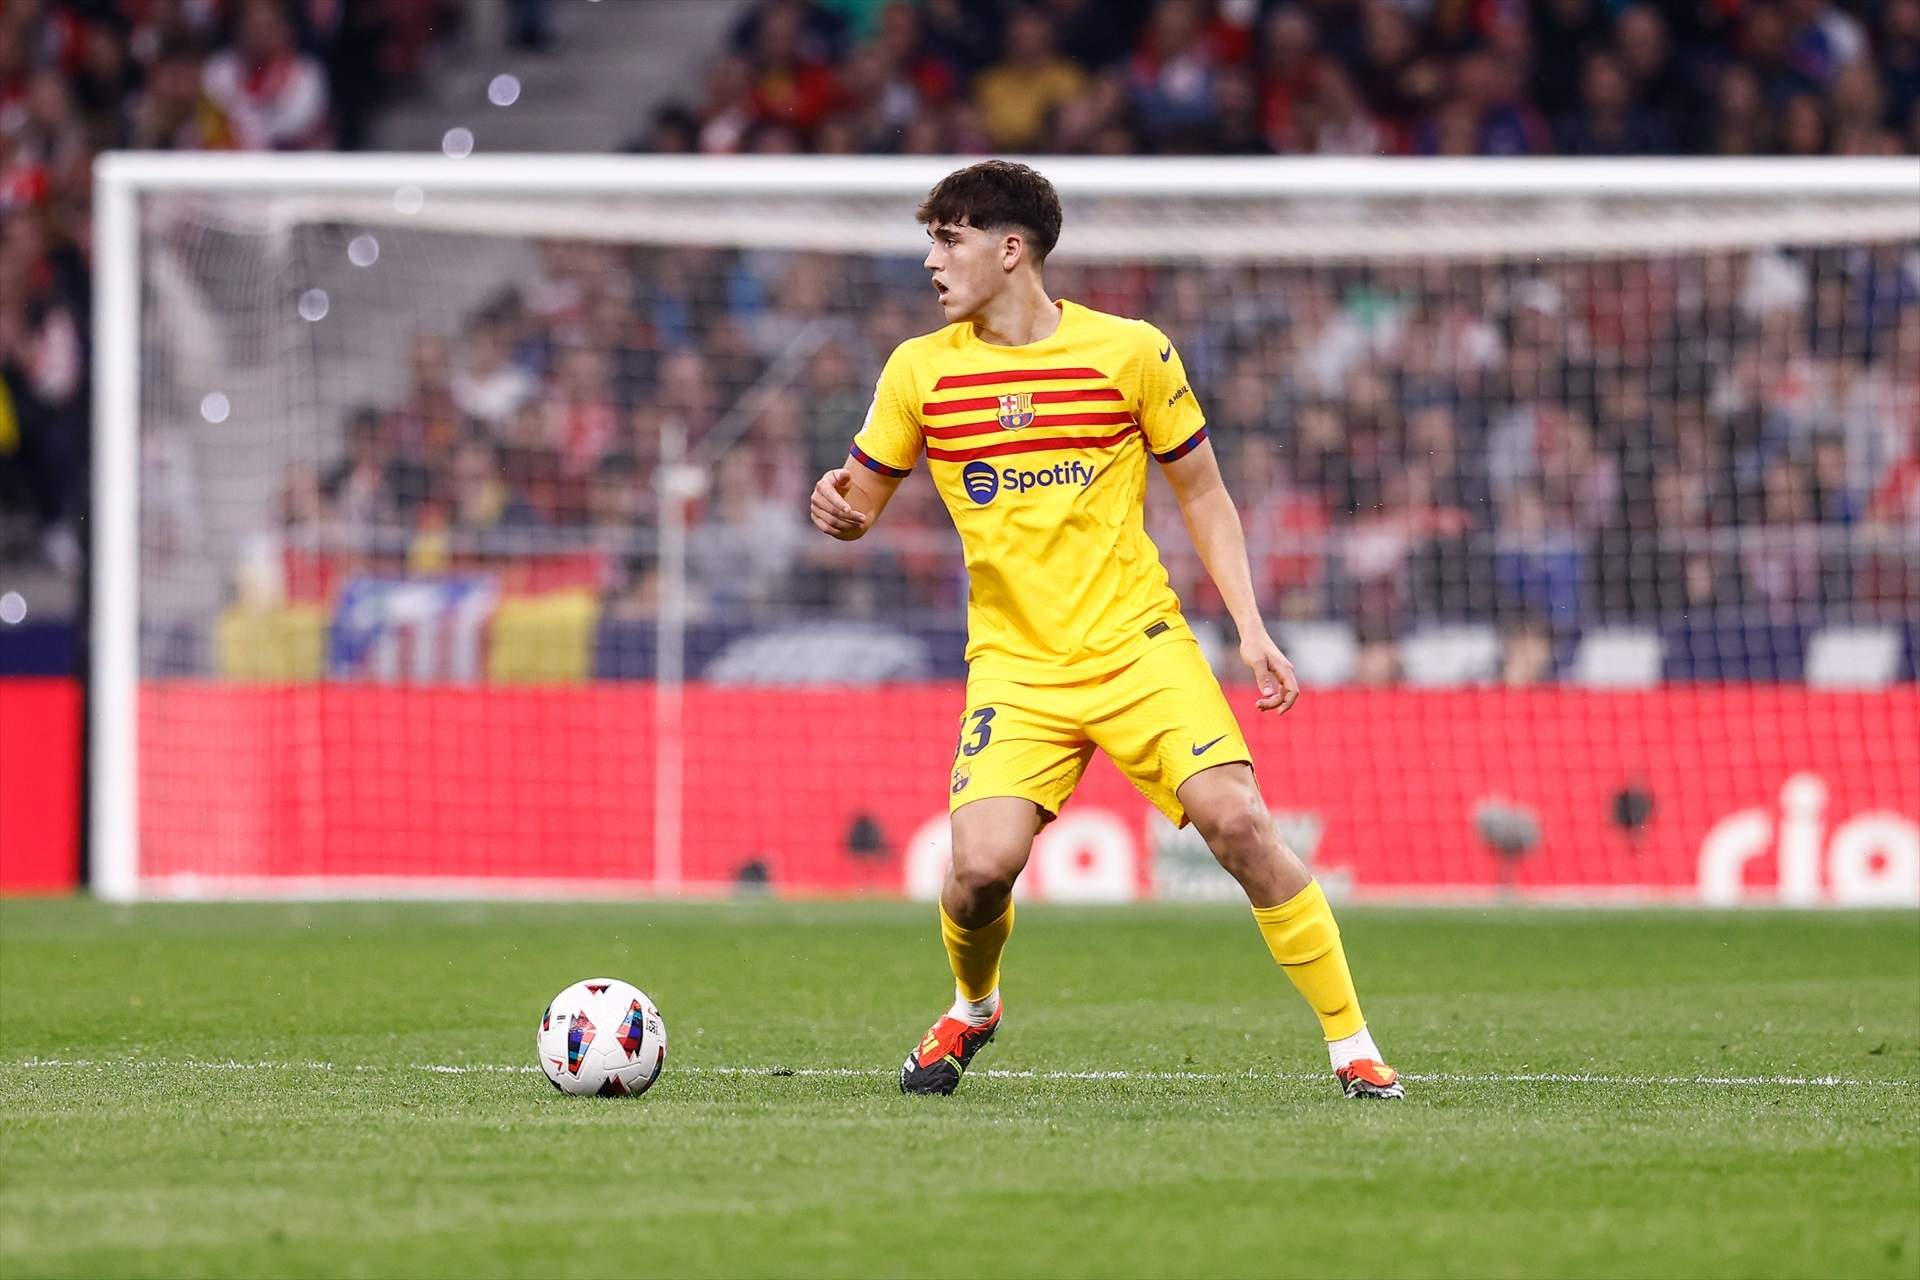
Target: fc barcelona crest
1016,410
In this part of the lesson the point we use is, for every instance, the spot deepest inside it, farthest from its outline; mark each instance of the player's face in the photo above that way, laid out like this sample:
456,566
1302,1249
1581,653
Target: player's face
966,263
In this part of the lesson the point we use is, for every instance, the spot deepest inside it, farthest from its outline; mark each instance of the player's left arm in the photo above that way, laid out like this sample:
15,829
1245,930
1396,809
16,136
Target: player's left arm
1176,432
1214,524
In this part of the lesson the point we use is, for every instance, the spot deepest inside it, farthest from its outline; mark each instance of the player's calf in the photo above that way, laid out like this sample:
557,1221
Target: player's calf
1294,919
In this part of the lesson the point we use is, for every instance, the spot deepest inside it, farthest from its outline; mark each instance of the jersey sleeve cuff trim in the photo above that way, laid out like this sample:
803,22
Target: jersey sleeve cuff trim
1184,448
872,465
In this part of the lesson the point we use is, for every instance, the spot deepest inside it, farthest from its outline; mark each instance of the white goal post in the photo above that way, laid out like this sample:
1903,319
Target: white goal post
1204,211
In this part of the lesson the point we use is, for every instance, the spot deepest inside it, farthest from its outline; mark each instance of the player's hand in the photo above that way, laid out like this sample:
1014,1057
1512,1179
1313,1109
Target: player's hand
1279,686
831,513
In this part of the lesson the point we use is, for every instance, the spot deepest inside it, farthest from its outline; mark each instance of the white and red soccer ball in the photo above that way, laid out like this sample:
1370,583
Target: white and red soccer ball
602,1036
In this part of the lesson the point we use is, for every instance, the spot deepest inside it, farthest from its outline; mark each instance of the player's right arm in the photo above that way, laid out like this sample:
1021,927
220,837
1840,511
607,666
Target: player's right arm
848,500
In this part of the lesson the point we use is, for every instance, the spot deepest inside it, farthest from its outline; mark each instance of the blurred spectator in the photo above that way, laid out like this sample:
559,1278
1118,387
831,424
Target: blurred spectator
1017,94
1823,39
1486,115
835,403
1379,546
745,546
1857,113
1660,82
50,135
360,486
582,423
1741,125
275,95
479,498
728,110
1833,499
1376,658
1803,126
1780,563
1236,127
43,422
1400,80
423,428
619,501
1899,62
1337,121
1895,503
530,25
1172,75
1286,528
1608,123
175,112
1526,650
673,131
1537,564
488,385
792,84
1290,72
104,83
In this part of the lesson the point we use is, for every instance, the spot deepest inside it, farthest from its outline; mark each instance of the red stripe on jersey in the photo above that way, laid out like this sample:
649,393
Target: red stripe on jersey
1012,375
958,429
934,408
1032,446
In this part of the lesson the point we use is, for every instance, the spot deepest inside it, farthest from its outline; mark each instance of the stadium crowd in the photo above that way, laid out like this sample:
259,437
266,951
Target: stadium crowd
1550,443
1605,440
1314,77
78,77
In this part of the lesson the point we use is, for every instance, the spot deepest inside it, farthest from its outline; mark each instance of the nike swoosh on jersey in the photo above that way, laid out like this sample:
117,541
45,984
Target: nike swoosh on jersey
1205,747
1166,353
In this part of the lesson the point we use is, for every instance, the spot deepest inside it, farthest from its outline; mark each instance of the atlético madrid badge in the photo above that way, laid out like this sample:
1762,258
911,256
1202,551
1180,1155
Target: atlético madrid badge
1016,410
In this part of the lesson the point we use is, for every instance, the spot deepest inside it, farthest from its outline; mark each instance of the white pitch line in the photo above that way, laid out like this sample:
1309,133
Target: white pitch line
1301,1077
991,1073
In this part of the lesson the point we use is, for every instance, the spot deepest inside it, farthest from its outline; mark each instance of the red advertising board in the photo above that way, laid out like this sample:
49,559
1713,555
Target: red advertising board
39,785
1717,794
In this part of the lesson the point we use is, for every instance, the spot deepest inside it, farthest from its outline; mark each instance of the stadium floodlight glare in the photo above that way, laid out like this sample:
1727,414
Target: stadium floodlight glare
214,388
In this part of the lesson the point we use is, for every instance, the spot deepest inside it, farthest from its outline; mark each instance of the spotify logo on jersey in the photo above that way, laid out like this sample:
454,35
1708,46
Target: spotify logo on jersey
982,482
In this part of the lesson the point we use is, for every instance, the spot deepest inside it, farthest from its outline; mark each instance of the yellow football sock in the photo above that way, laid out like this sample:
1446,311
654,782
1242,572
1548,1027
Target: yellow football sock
974,954
1305,942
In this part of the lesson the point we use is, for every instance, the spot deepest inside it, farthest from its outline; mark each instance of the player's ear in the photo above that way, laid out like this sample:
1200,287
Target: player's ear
1013,251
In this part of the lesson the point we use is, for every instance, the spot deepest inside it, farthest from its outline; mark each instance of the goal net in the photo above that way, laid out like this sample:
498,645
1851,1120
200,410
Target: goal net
451,535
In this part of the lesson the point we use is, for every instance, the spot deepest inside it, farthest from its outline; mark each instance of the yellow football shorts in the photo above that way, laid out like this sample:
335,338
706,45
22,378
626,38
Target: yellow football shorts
1161,720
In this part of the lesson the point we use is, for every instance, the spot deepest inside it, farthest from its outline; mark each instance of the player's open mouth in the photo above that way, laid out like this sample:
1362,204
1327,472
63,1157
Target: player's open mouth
941,289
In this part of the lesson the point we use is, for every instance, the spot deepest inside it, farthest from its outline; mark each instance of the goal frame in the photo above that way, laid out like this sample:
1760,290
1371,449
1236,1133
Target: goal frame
122,179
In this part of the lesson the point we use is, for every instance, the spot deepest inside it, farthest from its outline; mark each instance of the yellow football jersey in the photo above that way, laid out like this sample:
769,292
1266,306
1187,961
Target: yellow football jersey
1040,453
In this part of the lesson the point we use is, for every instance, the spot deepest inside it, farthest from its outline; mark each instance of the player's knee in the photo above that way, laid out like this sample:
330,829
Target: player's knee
1236,829
984,869
984,875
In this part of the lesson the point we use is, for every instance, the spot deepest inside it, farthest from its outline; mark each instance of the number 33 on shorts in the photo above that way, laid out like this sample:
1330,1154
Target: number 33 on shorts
976,731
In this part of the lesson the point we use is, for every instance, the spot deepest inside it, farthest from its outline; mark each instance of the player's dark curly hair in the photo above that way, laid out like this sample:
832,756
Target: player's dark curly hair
994,194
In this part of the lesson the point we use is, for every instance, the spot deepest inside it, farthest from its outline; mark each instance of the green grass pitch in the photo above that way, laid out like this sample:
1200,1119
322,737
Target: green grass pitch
252,1090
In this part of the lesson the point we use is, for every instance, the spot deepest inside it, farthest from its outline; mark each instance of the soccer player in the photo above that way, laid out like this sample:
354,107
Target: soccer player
1037,417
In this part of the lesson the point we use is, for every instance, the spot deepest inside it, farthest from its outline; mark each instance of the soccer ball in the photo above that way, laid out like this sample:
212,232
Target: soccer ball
604,1037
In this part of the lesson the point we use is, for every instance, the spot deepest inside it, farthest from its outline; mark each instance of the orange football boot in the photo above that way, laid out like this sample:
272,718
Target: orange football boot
1365,1078
945,1051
